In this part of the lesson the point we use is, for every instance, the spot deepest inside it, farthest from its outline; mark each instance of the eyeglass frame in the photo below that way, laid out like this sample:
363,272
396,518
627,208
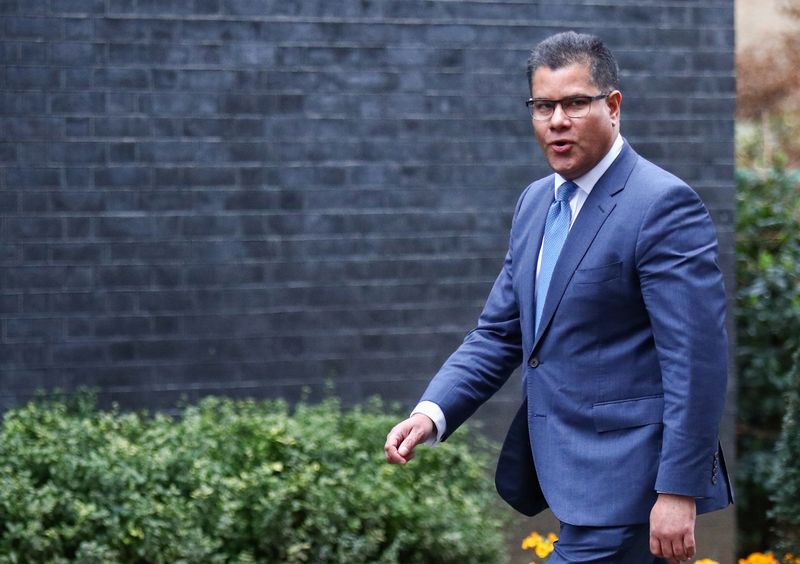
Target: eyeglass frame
560,102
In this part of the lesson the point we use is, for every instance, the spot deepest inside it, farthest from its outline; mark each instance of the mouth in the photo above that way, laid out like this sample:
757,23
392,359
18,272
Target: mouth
561,145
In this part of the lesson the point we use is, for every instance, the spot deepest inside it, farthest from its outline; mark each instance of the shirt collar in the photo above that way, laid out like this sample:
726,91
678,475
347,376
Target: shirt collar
588,180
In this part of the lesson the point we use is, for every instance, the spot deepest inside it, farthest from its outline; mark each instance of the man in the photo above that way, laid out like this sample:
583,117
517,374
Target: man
612,296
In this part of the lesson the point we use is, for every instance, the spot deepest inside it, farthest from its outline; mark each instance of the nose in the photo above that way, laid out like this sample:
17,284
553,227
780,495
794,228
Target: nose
559,118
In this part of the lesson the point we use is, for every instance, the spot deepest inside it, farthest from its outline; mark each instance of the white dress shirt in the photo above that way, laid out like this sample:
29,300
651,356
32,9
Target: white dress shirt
585,185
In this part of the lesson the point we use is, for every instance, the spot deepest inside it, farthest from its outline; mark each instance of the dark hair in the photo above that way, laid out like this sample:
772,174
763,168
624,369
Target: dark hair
567,48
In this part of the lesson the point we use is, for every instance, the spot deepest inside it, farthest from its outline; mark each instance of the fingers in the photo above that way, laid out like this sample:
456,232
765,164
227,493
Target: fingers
688,544
393,440
679,550
672,527
400,443
402,439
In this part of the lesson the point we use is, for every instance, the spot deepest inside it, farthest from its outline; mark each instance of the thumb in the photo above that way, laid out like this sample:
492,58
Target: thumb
408,444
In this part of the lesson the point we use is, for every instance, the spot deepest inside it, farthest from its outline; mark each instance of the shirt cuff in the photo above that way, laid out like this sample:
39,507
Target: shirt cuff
436,415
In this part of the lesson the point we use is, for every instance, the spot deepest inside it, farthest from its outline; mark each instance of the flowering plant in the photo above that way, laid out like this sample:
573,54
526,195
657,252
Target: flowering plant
541,546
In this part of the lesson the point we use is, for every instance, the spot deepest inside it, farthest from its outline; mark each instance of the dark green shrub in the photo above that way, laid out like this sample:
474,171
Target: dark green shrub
233,481
768,331
785,484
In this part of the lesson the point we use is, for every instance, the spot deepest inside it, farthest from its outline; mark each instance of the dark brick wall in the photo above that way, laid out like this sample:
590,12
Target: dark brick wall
249,196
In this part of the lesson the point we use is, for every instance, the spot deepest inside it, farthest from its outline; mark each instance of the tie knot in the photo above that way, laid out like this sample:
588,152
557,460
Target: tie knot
565,191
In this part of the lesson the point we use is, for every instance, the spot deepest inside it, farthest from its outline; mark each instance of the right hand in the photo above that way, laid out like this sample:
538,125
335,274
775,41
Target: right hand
404,436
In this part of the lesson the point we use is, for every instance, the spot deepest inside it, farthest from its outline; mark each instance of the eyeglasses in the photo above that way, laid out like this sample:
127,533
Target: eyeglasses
542,109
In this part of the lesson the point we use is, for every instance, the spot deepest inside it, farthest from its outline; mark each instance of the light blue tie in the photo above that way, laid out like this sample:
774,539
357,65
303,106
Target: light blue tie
556,229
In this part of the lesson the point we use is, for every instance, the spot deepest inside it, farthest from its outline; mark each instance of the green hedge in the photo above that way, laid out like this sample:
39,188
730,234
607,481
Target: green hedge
785,483
768,332
234,481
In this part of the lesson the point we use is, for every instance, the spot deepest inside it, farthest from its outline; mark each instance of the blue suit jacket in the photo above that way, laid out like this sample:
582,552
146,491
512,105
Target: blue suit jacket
624,381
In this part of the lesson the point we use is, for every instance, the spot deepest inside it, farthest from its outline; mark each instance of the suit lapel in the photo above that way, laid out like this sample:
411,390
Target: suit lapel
595,211
532,230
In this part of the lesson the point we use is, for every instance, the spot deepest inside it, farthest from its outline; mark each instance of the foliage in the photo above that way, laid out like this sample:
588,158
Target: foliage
768,330
785,485
229,481
774,140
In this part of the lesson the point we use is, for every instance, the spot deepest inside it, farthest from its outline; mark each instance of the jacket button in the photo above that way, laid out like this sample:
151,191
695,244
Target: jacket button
534,362
713,479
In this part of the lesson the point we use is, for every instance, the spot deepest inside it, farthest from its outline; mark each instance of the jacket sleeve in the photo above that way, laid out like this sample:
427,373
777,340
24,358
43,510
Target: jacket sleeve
683,291
487,356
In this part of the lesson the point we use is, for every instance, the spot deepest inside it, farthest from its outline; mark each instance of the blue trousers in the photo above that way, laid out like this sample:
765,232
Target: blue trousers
603,545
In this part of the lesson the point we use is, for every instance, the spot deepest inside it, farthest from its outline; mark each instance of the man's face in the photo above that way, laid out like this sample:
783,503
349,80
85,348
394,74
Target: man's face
572,146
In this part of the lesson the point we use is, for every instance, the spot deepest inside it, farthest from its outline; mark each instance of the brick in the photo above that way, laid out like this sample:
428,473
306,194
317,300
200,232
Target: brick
121,7
35,7
123,227
78,177
78,153
122,327
35,303
9,304
77,328
121,78
119,176
253,54
77,127
33,53
31,77
78,29
121,302
78,102
122,127
164,79
34,227
32,153
79,353
75,78
12,103
81,7
42,28
175,104
33,329
166,301
77,53
33,253
78,201
77,303
9,202
78,227
8,153
122,102
205,127
122,152
207,7
117,29
33,202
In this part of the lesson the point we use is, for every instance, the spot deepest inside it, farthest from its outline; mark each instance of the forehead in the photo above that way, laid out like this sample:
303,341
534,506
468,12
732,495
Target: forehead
565,81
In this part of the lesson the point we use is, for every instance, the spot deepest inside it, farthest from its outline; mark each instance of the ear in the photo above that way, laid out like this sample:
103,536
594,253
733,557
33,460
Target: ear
614,103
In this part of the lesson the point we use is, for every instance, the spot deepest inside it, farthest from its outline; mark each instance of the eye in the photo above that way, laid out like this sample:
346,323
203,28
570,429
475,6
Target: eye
543,106
578,103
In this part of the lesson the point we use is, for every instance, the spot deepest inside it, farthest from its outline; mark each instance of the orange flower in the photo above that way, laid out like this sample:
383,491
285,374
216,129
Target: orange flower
759,558
541,546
